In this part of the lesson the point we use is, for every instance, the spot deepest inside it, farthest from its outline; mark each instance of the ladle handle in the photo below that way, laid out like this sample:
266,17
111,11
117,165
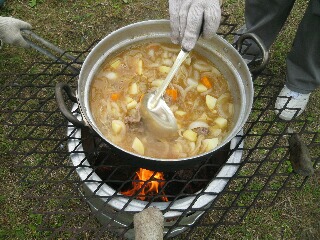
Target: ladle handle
175,67
50,50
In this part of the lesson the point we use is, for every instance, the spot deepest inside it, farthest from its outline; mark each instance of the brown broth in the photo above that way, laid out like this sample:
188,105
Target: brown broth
118,87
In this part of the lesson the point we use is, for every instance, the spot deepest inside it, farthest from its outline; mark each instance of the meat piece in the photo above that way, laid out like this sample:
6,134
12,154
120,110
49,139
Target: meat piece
133,117
135,127
133,121
202,131
168,99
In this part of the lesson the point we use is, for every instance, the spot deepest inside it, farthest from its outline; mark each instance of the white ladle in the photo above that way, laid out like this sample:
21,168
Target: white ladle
155,113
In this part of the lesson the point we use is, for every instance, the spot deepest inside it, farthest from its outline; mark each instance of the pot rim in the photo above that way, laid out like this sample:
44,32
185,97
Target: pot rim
201,43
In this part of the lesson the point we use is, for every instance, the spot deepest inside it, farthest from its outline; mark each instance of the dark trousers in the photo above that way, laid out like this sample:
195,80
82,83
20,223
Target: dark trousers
266,18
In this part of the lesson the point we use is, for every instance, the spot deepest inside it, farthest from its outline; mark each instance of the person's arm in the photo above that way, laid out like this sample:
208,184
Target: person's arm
10,31
187,17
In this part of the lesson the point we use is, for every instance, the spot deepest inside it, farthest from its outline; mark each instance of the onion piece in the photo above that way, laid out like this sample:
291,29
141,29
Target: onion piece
192,82
188,61
202,66
183,73
154,65
206,92
187,89
177,149
174,50
167,62
197,145
196,104
216,72
196,75
151,53
192,146
223,105
111,75
197,124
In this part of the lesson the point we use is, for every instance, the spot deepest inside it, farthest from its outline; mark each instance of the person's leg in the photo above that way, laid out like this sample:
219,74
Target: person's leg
266,18
303,65
303,61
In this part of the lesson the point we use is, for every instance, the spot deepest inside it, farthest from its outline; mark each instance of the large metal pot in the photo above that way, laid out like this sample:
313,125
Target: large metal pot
217,50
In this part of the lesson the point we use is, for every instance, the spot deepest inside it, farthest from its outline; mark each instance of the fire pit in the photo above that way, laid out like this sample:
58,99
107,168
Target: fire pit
105,201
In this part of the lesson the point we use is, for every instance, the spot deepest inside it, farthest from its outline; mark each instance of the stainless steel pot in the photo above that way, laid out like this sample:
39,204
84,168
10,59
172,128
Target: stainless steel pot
217,50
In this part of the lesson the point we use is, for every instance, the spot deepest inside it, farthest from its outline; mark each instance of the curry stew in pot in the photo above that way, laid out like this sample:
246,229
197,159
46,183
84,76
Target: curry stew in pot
198,96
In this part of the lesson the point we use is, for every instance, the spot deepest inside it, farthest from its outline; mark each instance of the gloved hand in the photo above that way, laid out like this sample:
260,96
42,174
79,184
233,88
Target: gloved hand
187,18
10,31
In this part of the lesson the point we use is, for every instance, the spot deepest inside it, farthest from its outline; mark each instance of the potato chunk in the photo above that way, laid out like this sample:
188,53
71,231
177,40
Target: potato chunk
190,135
128,99
157,83
132,104
211,101
117,126
221,122
210,143
116,64
164,69
180,113
138,146
215,131
133,89
201,88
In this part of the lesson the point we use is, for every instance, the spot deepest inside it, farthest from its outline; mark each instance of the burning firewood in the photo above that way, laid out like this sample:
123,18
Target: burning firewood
148,224
146,187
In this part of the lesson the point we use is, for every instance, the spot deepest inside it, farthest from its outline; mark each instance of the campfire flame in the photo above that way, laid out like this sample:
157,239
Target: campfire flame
144,186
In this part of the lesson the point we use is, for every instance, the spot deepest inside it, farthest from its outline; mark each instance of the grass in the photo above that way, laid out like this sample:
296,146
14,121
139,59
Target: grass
75,25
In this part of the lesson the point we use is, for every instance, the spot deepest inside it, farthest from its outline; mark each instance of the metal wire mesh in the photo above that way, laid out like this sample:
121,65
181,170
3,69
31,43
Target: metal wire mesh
36,134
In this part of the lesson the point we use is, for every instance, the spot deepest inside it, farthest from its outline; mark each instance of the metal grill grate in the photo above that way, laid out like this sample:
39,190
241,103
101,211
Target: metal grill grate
36,136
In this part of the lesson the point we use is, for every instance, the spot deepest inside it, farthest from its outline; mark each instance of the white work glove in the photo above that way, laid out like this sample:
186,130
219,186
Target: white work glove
188,16
10,31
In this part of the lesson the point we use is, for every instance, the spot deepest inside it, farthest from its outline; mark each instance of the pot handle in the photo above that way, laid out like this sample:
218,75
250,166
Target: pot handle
264,52
62,105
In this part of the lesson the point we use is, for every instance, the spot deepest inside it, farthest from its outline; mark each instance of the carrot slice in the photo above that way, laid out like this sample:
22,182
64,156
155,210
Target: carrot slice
205,81
140,98
173,93
115,96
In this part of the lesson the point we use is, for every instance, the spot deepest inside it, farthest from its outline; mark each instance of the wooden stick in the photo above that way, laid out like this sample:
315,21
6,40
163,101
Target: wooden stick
148,224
